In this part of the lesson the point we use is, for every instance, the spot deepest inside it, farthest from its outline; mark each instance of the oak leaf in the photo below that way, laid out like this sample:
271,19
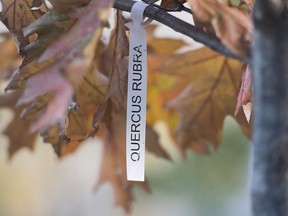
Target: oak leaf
10,59
18,129
114,61
245,92
110,118
40,84
209,96
232,27
113,167
117,52
200,85
75,87
68,62
65,6
161,88
68,135
172,4
17,14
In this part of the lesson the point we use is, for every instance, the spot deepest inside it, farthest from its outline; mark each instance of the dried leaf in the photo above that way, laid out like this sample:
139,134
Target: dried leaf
113,167
63,145
121,51
161,88
233,27
10,59
17,130
153,144
40,84
245,92
209,97
172,4
114,62
76,126
64,6
90,21
70,79
89,96
201,86
72,61
17,14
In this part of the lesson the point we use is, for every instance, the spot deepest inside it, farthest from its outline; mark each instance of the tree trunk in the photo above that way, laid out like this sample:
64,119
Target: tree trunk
270,127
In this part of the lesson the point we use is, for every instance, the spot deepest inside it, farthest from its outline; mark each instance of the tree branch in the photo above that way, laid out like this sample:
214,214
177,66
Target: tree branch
181,26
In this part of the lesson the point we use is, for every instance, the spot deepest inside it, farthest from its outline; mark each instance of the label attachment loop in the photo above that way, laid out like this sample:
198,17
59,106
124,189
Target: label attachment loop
136,95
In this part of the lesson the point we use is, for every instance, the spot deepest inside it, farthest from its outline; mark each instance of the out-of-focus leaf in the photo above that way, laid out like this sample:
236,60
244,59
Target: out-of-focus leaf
161,88
64,63
199,86
117,52
245,93
91,20
65,6
172,4
10,59
62,145
114,163
153,143
17,14
68,35
232,27
209,96
18,129
73,86
114,61
40,84
67,135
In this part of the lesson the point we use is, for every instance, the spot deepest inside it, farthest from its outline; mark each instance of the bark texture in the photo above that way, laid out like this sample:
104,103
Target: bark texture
270,129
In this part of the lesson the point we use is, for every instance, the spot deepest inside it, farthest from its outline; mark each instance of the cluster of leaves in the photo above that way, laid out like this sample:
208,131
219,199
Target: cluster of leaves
69,85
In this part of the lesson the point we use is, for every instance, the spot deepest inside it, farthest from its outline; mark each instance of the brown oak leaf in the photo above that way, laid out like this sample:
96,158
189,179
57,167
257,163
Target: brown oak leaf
63,64
18,129
159,49
172,4
10,60
232,27
17,14
211,82
65,6
113,165
114,61
245,92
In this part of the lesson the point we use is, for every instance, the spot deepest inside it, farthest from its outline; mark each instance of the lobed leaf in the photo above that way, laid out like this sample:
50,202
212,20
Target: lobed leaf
232,27
17,14
210,96
72,87
17,130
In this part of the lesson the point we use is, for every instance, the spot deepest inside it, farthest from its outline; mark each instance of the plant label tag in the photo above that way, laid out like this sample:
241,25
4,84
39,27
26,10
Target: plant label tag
136,96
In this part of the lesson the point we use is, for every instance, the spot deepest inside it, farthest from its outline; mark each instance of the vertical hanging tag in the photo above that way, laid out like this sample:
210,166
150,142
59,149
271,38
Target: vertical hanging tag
136,95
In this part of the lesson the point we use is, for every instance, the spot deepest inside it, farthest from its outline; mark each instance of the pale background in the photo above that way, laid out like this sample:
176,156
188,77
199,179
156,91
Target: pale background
38,184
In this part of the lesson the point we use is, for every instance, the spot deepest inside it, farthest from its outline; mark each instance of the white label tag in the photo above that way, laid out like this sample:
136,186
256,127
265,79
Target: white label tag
136,96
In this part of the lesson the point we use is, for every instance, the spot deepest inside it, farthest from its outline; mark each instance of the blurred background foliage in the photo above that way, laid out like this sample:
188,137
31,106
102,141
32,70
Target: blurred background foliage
38,184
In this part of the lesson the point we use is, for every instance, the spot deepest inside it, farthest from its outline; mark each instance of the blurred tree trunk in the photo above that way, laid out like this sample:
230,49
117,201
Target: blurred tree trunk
270,129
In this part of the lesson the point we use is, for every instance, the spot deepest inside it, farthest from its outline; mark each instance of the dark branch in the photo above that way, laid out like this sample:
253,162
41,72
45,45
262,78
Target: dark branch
181,26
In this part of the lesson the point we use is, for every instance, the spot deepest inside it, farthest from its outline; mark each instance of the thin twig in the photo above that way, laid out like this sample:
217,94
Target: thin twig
181,26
